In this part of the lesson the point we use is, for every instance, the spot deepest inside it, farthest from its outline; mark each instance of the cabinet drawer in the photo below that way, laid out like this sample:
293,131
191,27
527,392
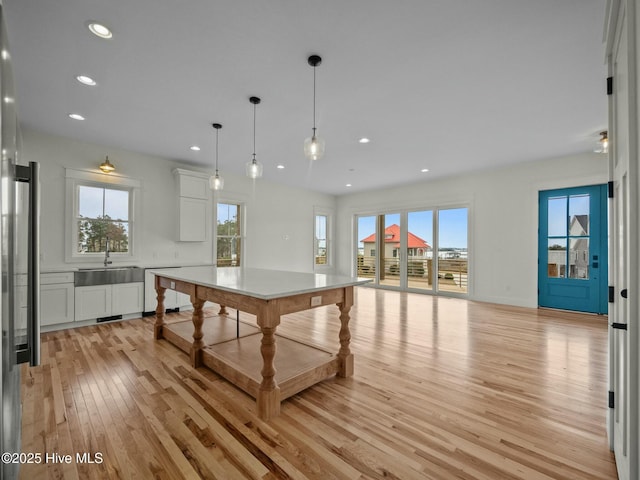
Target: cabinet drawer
58,277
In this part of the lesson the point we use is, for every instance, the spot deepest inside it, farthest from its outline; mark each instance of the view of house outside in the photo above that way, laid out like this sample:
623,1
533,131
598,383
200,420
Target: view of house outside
419,256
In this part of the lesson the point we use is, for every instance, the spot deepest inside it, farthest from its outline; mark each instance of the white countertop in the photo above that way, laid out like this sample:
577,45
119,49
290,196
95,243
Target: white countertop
259,283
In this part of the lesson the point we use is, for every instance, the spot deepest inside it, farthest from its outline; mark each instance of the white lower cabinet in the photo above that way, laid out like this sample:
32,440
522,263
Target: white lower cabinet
127,298
57,304
107,300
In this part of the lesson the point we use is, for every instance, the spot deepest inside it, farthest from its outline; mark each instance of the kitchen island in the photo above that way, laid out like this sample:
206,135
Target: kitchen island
247,357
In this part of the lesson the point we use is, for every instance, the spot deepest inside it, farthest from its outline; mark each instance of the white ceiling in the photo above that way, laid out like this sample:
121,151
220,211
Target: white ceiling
448,85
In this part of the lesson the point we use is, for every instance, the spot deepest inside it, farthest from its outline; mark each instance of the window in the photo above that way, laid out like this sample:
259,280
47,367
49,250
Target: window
99,208
102,216
228,235
321,240
322,244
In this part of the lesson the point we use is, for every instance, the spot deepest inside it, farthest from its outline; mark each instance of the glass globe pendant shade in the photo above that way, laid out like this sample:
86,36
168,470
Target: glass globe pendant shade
314,147
216,182
254,169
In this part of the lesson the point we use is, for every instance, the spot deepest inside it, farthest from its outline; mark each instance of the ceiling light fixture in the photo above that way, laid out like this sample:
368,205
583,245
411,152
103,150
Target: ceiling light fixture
195,148
76,116
99,30
106,166
85,80
424,170
603,143
216,182
364,140
280,167
254,168
314,146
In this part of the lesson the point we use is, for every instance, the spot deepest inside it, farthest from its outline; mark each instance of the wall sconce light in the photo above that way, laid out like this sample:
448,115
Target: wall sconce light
106,166
604,142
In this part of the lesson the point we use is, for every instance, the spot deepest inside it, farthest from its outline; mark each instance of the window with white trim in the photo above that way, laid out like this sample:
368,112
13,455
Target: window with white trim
322,238
102,215
229,235
100,208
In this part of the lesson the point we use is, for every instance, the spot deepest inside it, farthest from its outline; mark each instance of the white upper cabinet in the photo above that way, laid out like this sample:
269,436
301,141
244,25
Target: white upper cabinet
193,205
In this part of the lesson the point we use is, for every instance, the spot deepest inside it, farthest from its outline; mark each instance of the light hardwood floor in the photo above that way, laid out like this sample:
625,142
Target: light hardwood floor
443,389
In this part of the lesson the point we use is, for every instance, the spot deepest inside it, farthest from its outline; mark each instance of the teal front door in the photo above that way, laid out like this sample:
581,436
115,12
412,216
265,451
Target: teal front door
572,249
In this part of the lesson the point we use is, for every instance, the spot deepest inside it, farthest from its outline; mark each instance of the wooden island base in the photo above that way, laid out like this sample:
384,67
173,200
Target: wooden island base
298,365
267,365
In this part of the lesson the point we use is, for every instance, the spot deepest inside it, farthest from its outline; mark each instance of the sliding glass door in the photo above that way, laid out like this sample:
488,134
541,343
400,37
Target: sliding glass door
400,251
452,250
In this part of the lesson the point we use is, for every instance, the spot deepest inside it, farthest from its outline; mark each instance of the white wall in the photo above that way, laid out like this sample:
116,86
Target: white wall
273,211
503,219
279,225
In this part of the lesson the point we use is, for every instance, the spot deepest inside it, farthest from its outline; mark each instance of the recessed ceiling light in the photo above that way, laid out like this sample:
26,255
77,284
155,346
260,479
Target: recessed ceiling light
280,167
99,30
85,80
195,148
76,116
5,55
348,185
364,140
8,99
424,170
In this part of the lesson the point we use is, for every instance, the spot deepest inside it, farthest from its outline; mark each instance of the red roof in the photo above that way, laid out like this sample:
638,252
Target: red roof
392,234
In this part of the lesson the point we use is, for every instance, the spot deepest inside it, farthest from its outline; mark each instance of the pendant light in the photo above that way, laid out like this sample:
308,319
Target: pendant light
106,166
314,145
216,182
254,168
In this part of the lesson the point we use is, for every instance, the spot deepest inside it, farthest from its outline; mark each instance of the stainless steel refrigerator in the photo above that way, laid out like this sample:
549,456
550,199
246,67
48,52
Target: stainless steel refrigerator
19,190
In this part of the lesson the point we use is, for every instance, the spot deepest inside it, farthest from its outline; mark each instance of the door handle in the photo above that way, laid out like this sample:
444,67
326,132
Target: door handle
623,293
619,326
31,175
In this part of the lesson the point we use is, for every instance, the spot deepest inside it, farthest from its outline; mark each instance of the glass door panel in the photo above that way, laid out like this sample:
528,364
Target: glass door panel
366,234
557,258
390,251
452,250
419,250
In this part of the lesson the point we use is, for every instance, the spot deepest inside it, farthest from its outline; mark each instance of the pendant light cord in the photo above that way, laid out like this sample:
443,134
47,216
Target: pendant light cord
217,151
314,101
254,132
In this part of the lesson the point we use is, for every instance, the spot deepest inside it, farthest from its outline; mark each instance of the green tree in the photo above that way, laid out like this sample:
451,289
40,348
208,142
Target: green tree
93,234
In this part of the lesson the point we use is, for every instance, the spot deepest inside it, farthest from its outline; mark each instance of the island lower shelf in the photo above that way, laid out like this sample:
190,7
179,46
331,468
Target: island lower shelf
298,365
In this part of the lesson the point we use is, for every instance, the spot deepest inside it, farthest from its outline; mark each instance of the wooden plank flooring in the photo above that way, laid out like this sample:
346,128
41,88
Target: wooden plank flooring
443,389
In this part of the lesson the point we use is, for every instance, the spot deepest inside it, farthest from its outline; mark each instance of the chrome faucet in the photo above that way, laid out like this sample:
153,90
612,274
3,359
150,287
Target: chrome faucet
106,254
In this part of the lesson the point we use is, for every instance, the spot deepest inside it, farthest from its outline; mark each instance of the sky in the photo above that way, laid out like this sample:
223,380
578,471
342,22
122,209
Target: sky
452,226
562,209
95,202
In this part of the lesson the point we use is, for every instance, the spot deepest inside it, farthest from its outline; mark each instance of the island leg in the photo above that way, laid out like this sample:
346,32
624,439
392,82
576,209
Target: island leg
223,310
268,401
345,357
198,344
157,328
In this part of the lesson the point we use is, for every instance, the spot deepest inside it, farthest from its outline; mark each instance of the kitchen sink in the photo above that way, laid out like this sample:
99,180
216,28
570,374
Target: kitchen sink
86,277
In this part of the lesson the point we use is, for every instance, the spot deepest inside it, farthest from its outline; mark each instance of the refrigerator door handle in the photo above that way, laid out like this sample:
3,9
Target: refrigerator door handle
31,174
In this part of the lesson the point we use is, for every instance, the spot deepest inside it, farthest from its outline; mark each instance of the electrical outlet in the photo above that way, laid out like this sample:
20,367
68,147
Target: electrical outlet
316,301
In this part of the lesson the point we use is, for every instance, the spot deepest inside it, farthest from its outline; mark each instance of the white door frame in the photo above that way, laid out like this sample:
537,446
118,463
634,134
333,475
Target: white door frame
622,56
